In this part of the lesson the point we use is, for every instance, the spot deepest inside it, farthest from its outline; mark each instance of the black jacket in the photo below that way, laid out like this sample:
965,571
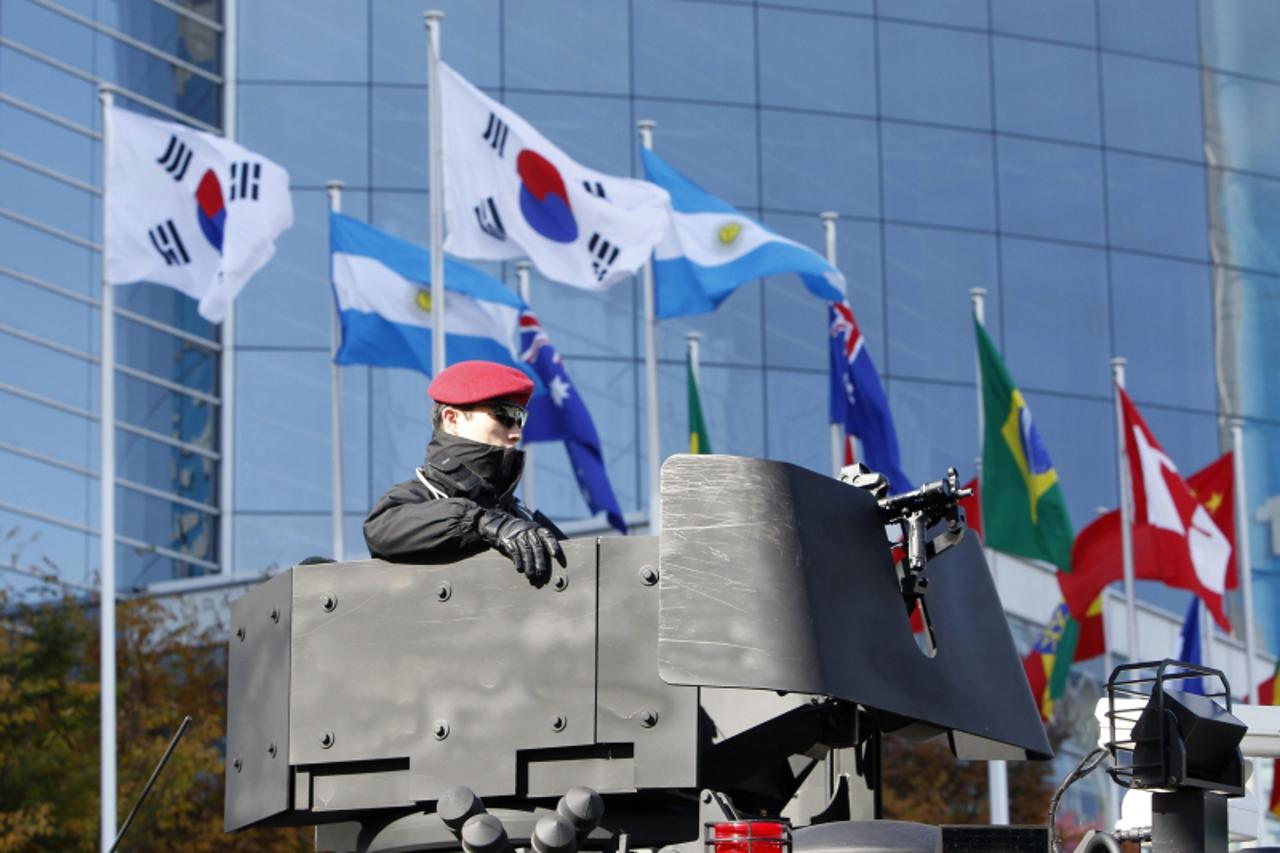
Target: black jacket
433,517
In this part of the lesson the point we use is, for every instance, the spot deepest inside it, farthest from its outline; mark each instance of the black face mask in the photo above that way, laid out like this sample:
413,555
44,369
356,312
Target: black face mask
483,472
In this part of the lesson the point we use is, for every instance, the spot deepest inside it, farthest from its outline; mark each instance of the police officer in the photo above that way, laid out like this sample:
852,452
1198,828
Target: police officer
461,500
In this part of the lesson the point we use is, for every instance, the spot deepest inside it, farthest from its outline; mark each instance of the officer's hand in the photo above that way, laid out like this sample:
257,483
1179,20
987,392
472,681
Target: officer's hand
529,546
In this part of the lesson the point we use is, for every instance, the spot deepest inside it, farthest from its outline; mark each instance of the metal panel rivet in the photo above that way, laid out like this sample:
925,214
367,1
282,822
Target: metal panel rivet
558,722
444,591
237,764
326,739
271,749
648,575
561,583
240,634
649,718
440,729
275,614
329,601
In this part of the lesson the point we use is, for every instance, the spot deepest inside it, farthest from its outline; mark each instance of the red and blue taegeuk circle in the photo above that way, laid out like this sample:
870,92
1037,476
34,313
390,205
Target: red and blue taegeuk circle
211,211
544,201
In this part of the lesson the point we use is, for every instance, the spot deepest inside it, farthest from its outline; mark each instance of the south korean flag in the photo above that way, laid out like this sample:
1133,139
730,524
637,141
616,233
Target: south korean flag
188,209
511,193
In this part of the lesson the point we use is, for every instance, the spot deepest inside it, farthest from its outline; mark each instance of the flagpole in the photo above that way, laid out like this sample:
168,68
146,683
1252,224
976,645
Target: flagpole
526,479
227,356
436,157
1244,567
645,128
1126,514
107,521
829,218
334,189
997,771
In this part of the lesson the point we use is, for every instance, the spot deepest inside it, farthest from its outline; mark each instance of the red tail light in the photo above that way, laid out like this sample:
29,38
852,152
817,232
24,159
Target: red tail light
749,836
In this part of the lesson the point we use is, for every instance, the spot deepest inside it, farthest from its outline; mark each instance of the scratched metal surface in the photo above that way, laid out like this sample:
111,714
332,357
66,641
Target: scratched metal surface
497,662
775,577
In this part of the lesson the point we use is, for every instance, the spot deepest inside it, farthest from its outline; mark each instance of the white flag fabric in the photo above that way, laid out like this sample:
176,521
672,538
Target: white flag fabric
188,209
510,193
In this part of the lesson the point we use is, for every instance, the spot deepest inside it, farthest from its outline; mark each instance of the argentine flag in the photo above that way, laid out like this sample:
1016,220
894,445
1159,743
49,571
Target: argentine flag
382,287
711,249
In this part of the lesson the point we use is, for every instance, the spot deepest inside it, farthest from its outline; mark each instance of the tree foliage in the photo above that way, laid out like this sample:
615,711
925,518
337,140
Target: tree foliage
168,666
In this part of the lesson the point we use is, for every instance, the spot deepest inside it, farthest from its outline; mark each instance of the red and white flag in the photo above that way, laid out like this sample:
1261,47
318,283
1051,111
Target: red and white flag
1178,531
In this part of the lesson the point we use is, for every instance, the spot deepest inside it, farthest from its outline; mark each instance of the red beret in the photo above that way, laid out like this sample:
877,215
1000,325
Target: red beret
469,382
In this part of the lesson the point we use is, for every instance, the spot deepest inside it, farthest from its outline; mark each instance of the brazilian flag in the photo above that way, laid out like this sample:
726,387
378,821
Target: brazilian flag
698,440
1023,511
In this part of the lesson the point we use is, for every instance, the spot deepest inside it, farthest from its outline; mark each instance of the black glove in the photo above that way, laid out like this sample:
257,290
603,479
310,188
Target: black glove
526,544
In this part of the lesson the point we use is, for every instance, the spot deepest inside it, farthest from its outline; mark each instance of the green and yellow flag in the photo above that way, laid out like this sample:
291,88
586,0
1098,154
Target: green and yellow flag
698,440
1023,511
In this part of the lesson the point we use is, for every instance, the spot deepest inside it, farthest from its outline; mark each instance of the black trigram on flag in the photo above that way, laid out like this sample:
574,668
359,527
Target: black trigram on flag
167,242
176,158
489,220
603,254
496,134
244,180
595,188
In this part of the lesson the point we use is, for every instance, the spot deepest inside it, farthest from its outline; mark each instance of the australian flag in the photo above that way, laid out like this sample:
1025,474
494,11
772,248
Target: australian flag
560,415
858,402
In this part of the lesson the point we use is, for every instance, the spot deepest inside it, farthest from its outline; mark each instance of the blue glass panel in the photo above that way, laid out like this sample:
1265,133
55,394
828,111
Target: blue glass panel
732,403
1242,107
164,467
41,429
1157,206
1191,439
70,555
1239,35
282,400
848,7
354,544
610,391
536,54
285,122
471,35
1056,330
714,146
1254,298
796,333
585,322
797,413
46,372
815,163
279,540
404,214
47,314
939,177
355,441
1152,107
45,489
399,427
1164,28
166,524
962,13
48,258
1050,190
937,427
731,333
596,132
694,50
44,30
169,306
1047,90
399,137
183,36
1081,438
1059,20
935,75
817,61
53,91
159,80
147,405
323,40
289,302
929,274
162,355
1163,315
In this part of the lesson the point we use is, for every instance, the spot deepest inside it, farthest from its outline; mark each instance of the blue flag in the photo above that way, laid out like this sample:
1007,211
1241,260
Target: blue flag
1190,651
560,414
858,402
711,249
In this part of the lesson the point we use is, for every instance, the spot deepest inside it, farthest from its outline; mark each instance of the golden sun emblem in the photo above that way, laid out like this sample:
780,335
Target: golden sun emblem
423,299
729,233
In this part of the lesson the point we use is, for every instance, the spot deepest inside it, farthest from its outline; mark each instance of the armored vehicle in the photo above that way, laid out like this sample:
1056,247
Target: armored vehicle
738,668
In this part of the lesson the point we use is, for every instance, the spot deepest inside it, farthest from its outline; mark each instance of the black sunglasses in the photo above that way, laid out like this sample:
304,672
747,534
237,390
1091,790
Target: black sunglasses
509,415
